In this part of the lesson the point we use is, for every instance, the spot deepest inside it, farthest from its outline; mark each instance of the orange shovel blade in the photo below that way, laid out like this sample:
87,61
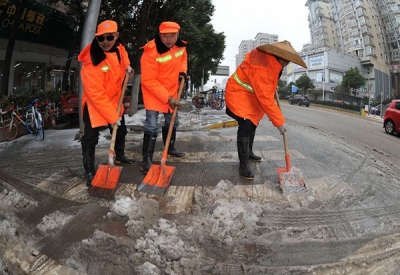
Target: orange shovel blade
107,177
157,179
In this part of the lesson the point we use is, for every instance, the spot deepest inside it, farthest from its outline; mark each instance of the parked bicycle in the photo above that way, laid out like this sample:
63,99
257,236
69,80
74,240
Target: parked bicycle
32,122
51,114
208,98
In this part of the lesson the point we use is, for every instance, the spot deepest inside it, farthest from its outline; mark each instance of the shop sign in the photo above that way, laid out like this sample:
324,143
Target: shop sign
38,23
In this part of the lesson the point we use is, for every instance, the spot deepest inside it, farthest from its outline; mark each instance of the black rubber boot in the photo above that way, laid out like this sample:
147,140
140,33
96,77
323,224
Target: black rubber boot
124,160
149,141
243,152
171,149
88,163
120,157
252,156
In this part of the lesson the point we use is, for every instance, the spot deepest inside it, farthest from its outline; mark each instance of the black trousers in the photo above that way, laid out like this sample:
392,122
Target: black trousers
91,135
245,125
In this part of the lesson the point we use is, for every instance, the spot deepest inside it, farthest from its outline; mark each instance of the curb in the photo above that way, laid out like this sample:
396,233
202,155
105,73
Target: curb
223,124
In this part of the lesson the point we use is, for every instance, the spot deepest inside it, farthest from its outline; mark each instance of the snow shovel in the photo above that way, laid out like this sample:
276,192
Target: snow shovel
159,176
289,177
105,182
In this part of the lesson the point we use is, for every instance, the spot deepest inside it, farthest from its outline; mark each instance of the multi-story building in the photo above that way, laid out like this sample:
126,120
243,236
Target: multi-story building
365,30
244,47
248,45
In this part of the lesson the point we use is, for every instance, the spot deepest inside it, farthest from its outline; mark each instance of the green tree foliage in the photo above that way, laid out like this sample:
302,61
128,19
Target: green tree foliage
352,81
139,21
341,91
305,83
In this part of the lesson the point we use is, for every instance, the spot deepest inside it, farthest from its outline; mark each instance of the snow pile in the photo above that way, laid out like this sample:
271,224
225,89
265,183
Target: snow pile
177,244
53,221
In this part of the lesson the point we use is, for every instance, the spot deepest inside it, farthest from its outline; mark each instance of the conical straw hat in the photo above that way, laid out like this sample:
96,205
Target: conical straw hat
283,50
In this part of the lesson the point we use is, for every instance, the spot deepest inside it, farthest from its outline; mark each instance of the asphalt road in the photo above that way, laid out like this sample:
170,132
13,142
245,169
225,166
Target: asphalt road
348,214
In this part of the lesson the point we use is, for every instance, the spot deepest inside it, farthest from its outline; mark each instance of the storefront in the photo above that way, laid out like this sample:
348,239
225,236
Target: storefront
43,39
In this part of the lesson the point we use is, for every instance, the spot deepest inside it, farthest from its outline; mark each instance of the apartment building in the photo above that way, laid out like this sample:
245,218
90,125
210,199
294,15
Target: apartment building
248,45
365,30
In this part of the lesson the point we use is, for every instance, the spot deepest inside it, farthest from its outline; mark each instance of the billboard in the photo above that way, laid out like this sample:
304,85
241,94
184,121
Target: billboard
222,70
37,23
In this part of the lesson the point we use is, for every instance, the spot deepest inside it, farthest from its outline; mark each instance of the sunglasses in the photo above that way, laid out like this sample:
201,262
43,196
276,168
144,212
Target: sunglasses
102,37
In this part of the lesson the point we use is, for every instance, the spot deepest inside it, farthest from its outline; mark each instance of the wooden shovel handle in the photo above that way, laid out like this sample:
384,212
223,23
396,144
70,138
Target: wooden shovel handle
171,124
287,157
121,99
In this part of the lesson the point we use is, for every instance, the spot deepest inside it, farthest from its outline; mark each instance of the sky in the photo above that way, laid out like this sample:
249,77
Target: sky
242,20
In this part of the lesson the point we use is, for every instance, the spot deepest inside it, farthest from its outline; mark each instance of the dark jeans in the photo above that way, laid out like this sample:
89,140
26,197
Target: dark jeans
245,125
91,135
150,124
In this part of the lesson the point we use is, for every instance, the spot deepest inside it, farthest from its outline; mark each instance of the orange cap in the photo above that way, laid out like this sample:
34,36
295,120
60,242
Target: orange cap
108,26
169,27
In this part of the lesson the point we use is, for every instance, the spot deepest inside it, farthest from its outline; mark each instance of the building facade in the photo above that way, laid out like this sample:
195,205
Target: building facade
365,30
42,40
248,45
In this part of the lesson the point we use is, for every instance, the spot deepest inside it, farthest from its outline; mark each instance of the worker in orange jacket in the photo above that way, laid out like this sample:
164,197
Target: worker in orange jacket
163,61
250,95
105,63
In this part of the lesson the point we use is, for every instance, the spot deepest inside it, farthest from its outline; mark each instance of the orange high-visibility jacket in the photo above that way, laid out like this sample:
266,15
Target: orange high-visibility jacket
251,89
102,85
160,74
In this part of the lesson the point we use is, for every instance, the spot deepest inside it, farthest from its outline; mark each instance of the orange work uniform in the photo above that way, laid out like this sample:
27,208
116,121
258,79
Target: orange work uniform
102,85
160,74
251,89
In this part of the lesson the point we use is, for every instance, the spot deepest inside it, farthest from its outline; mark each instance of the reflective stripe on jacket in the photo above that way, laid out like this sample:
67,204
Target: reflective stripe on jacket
160,75
251,89
102,85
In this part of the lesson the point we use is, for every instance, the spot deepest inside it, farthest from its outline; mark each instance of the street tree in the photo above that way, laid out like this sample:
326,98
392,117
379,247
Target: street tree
288,88
139,21
282,89
205,46
352,81
341,91
305,83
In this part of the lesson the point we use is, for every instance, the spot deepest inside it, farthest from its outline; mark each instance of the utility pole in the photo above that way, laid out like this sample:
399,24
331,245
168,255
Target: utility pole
89,29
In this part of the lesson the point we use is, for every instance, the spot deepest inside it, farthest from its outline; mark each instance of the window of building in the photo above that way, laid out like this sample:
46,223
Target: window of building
355,42
29,77
367,40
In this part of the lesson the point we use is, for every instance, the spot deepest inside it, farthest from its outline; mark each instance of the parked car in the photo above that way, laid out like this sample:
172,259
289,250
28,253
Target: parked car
391,119
299,100
378,109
